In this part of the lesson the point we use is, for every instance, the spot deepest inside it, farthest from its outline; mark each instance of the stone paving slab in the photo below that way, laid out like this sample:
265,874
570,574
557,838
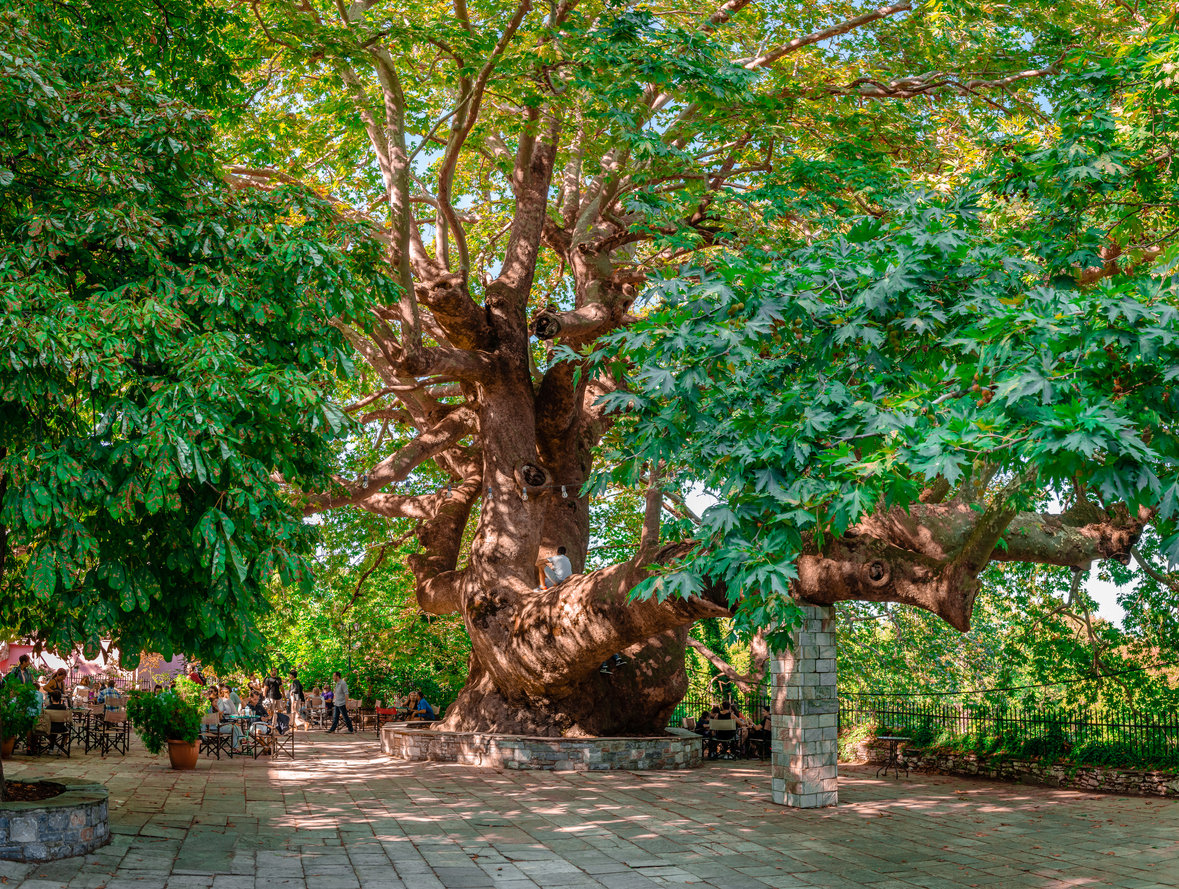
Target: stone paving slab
344,817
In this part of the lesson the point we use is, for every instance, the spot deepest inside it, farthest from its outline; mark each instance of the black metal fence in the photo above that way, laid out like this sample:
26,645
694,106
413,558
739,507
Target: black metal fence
1078,733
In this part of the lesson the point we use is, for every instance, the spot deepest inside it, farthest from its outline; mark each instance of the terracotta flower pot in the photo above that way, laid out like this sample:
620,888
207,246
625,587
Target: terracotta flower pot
182,754
6,747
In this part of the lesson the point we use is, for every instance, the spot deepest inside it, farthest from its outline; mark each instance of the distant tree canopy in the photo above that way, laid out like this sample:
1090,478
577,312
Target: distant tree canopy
165,338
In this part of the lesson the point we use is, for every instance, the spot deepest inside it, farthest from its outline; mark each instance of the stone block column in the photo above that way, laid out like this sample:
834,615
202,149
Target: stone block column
804,714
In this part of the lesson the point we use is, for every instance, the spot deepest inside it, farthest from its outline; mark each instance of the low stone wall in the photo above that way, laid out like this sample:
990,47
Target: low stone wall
1031,771
71,823
678,750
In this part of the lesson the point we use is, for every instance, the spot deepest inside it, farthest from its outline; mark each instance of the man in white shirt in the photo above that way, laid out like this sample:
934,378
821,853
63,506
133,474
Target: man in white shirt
554,569
340,704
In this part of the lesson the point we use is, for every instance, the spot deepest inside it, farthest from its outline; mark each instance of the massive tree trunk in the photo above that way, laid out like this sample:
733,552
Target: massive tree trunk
455,359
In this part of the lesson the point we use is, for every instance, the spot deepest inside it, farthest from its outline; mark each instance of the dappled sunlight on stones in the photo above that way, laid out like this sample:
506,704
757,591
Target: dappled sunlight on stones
345,817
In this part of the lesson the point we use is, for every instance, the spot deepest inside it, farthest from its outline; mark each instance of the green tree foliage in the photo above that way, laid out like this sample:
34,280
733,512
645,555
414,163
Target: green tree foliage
1005,317
166,340
1036,640
362,619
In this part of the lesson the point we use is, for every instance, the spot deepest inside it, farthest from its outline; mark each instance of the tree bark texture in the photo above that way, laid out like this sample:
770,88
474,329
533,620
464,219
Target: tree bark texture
456,370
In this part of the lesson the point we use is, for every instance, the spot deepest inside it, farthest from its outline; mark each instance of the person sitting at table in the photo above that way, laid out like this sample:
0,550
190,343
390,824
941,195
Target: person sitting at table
253,702
420,708
80,695
225,703
315,701
55,687
702,723
760,731
222,705
744,724
109,697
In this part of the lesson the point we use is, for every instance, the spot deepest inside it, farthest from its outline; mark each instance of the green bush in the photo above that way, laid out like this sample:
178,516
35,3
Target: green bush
923,734
18,709
1051,745
165,717
852,737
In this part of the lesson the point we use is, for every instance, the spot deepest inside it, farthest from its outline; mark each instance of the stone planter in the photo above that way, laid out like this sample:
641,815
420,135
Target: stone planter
677,749
72,823
182,754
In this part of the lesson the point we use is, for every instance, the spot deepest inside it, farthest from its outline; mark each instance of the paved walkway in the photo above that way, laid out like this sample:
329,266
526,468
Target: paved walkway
344,817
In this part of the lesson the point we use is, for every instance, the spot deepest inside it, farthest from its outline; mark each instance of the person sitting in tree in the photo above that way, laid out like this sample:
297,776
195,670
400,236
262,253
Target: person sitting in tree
553,569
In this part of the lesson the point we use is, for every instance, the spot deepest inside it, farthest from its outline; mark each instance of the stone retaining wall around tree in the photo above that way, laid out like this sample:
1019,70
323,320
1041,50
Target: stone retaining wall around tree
71,823
1030,771
678,750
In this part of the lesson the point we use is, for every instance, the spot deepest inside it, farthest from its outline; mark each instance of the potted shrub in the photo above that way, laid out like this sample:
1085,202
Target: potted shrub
18,714
167,718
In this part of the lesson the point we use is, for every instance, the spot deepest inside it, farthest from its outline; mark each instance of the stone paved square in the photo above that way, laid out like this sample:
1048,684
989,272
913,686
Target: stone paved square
343,816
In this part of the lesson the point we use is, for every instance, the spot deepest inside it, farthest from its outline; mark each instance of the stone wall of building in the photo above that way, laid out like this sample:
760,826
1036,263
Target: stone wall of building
72,823
678,750
1032,771
804,715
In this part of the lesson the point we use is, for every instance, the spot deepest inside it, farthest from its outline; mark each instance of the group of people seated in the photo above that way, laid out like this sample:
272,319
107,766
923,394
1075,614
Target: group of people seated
281,709
748,731
276,707
52,693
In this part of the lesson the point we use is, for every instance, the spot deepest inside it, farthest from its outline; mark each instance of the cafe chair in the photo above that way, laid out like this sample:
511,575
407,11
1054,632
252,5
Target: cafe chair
53,735
93,722
282,734
211,740
725,737
115,733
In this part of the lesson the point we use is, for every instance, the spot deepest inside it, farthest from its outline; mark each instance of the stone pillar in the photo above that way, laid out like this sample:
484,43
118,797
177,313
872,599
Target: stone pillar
805,711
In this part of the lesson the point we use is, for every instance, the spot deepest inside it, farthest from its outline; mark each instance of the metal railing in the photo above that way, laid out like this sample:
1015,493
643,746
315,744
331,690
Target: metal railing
1073,733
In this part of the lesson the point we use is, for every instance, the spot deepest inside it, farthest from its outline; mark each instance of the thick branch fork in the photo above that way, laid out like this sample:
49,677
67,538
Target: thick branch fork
930,555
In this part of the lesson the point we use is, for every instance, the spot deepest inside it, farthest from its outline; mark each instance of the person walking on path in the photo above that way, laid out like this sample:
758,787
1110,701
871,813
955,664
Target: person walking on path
340,702
298,698
273,685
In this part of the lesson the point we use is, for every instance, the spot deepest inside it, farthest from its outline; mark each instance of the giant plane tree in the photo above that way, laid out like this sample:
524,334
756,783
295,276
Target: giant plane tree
889,280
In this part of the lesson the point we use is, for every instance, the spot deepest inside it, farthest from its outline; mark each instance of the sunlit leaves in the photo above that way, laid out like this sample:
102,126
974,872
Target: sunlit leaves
167,346
810,385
